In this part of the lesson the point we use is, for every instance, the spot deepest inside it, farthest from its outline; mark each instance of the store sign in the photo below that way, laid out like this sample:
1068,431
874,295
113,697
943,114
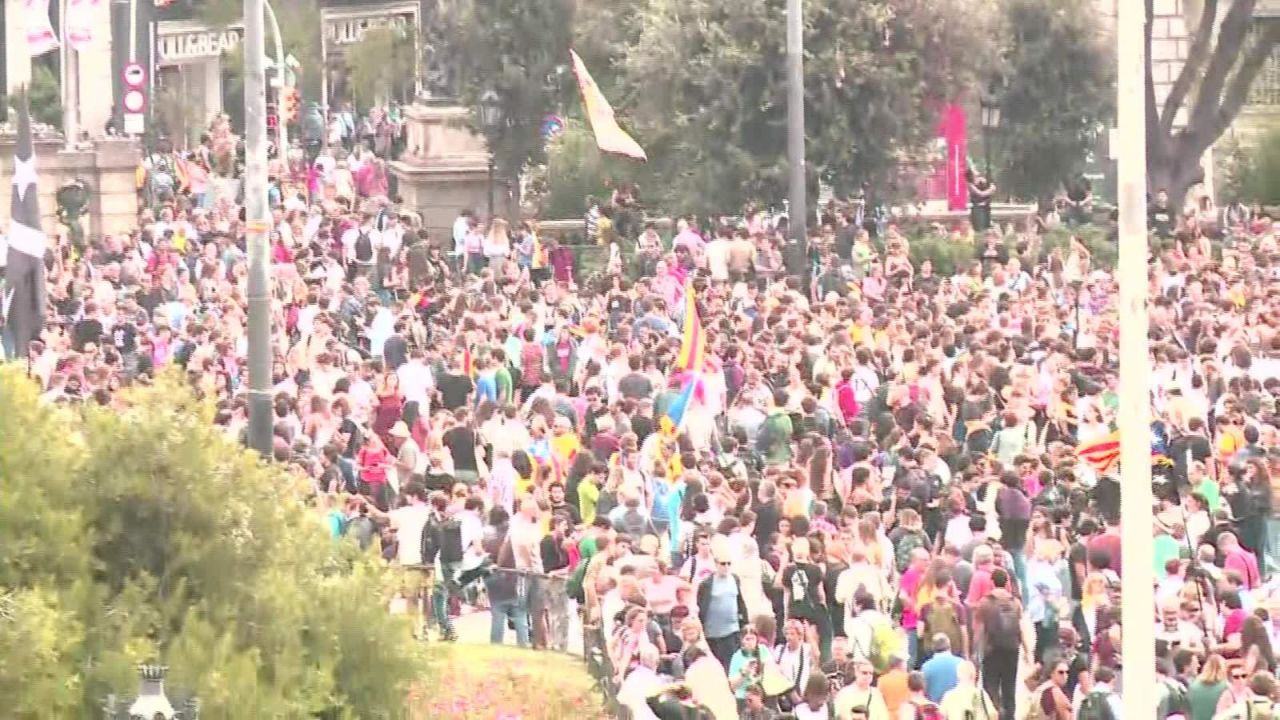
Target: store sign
198,45
349,31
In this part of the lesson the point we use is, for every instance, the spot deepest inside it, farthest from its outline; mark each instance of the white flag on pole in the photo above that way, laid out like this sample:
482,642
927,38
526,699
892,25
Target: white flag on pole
80,21
40,36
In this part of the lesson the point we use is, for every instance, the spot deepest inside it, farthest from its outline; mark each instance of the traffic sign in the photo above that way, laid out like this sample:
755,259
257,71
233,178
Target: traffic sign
134,123
135,75
134,101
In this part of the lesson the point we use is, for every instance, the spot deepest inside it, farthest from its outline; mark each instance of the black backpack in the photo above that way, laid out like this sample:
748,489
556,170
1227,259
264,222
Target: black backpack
451,550
432,536
364,248
1005,632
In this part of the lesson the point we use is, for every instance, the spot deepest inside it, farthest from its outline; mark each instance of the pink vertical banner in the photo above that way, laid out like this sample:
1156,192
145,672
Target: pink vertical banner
954,128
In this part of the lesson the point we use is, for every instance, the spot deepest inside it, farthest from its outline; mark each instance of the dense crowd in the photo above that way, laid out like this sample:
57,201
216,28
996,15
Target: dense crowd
756,476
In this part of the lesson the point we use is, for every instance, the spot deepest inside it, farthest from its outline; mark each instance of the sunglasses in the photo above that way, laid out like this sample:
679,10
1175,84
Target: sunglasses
1238,676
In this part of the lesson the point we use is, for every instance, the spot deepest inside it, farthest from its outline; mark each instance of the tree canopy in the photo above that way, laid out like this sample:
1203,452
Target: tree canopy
140,534
1057,91
876,75
520,51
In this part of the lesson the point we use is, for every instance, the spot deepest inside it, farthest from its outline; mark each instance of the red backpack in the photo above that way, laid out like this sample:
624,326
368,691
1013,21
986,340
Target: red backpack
928,711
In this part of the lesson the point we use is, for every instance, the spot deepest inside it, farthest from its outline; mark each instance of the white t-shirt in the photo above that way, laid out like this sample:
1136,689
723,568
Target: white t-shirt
416,382
409,522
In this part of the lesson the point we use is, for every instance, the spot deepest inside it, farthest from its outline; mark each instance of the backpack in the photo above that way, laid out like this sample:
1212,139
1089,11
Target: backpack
905,546
1096,707
430,542
1005,630
1178,702
1034,711
886,641
768,436
928,711
451,550
364,248
943,618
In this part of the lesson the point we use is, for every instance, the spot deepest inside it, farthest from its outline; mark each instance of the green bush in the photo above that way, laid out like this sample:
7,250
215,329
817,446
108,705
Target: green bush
1104,250
948,256
141,533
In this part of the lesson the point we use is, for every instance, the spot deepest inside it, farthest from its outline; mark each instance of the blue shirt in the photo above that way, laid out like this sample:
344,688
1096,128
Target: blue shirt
722,611
486,387
940,675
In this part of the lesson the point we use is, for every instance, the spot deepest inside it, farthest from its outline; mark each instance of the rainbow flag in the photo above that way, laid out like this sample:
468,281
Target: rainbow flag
693,344
468,363
610,137
1103,455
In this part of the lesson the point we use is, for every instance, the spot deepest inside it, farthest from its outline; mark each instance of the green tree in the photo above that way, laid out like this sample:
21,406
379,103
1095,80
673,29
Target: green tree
46,95
1059,90
876,72
1228,47
1252,174
142,534
299,25
382,66
518,49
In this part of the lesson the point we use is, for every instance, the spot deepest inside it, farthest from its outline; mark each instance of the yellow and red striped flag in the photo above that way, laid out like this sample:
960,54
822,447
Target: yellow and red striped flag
610,137
693,345
1102,454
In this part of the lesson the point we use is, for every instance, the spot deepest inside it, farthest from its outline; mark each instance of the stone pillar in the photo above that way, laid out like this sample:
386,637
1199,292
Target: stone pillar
95,74
108,168
445,169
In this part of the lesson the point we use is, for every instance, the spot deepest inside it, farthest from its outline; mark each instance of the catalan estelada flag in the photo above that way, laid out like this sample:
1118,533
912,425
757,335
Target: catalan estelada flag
693,344
610,137
1102,454
674,417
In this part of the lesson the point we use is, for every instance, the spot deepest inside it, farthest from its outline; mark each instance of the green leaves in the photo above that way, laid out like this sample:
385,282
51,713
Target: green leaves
520,50
1059,94
143,534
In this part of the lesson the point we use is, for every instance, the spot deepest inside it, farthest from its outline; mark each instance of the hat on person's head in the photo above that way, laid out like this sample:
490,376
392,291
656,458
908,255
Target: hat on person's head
399,430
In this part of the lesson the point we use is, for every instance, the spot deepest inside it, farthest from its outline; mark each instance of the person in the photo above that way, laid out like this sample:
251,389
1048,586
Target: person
967,701
940,672
860,699
998,634
918,706
747,666
1204,692
722,608
1257,701
1049,701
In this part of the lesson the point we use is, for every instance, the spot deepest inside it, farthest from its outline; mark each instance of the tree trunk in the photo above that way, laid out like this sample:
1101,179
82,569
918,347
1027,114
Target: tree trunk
1173,172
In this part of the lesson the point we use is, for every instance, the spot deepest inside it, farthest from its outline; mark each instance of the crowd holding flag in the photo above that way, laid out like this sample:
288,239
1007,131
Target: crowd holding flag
24,296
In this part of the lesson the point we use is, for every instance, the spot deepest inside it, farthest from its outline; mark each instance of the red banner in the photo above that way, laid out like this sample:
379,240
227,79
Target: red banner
954,128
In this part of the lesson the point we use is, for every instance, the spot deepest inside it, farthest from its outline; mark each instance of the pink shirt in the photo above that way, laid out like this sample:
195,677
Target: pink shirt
1245,564
980,586
910,585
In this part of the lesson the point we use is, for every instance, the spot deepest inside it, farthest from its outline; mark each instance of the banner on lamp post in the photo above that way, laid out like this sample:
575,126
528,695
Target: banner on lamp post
40,36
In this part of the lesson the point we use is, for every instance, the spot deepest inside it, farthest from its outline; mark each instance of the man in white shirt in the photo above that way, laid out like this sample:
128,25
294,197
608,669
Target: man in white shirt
408,522
362,262
461,226
416,381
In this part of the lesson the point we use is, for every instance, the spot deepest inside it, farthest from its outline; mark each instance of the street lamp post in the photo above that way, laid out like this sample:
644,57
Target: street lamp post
990,121
797,214
490,120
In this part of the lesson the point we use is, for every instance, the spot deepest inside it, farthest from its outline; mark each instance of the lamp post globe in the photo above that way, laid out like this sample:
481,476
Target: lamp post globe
491,117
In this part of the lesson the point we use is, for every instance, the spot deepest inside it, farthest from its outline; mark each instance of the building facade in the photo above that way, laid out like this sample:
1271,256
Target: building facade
186,58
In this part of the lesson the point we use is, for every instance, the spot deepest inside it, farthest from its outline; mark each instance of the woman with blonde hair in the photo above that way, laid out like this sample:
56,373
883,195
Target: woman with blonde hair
1208,687
497,244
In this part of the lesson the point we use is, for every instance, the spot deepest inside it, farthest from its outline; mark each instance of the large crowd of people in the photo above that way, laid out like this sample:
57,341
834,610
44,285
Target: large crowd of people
753,477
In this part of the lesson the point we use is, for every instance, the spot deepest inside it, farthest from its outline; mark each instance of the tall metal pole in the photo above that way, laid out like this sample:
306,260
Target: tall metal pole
1135,404
797,216
257,221
70,89
282,128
